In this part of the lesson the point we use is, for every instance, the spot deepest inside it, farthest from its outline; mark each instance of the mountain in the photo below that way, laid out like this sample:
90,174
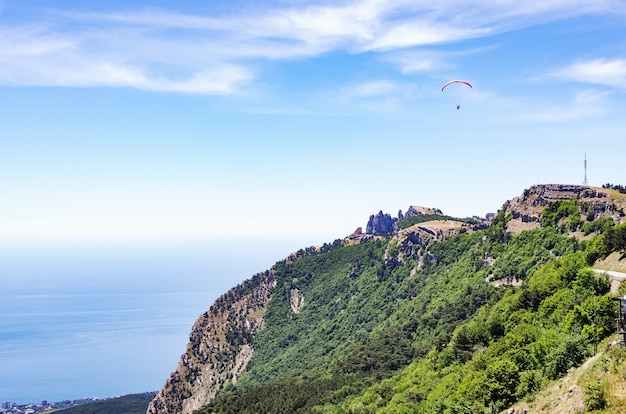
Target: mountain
421,313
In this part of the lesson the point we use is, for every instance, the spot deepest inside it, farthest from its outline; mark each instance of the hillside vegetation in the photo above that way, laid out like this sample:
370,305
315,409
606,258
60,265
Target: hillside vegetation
126,404
408,324
471,318
599,382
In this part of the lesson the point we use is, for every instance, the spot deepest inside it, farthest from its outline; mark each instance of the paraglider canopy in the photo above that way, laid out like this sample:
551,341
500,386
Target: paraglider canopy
455,81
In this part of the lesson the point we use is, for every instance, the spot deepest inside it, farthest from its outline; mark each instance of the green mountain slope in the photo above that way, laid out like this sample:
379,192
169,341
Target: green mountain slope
423,320
126,404
599,385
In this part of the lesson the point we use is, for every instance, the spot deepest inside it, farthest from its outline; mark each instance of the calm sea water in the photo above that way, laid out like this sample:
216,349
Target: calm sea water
100,320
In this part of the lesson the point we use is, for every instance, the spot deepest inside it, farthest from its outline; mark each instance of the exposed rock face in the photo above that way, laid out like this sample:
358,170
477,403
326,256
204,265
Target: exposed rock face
415,240
417,210
528,207
296,300
219,348
381,224
385,224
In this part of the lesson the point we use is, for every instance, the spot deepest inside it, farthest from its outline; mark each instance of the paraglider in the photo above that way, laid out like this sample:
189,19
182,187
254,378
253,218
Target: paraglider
456,81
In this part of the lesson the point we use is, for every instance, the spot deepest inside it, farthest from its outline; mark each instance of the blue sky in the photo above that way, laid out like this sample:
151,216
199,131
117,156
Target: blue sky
167,119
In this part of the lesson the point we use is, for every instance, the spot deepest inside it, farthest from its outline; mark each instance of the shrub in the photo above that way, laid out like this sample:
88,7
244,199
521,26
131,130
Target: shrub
595,398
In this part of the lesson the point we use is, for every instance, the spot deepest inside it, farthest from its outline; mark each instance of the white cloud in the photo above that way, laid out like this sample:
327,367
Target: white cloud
420,33
427,59
606,72
371,89
34,56
380,96
176,52
417,64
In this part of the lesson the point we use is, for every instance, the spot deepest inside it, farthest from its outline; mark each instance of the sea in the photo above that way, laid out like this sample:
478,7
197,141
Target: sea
104,319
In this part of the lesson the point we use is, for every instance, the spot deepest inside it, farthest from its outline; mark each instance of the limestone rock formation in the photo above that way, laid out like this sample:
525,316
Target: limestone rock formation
527,208
381,224
384,224
417,210
219,348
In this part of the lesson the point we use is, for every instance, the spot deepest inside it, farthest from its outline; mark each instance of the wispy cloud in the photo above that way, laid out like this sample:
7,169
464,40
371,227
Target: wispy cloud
34,56
584,104
161,50
608,72
371,89
427,59
380,96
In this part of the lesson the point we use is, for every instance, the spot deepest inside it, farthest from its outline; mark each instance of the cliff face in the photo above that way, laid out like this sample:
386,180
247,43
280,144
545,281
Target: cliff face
382,223
527,208
219,348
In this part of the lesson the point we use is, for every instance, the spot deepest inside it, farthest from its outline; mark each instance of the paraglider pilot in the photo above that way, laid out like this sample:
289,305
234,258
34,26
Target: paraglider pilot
456,81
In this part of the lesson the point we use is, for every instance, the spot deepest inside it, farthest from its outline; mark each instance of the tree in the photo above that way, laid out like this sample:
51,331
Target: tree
569,353
502,381
615,239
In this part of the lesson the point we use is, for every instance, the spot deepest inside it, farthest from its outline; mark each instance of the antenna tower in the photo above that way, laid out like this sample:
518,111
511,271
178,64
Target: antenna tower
585,182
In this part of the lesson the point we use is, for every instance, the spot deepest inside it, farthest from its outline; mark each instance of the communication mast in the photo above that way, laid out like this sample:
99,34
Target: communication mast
585,182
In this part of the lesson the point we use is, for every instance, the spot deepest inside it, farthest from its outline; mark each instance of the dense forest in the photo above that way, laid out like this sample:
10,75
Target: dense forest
126,404
468,324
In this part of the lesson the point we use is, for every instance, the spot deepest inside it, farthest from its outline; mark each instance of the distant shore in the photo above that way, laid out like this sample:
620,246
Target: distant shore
130,403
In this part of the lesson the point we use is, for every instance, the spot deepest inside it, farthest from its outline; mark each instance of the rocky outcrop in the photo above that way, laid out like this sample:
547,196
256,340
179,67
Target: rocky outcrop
384,224
414,242
219,347
417,210
296,300
528,207
381,224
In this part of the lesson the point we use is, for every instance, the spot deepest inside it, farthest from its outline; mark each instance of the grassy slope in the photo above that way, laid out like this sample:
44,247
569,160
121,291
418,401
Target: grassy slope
612,262
568,394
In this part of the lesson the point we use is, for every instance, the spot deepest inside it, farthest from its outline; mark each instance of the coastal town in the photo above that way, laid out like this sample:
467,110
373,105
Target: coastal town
9,407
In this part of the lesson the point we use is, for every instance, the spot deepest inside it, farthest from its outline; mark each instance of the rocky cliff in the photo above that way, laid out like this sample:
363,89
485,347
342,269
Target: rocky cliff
382,223
219,347
525,210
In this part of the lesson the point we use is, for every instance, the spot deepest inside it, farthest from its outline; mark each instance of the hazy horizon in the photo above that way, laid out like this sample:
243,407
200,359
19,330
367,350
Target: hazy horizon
82,322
